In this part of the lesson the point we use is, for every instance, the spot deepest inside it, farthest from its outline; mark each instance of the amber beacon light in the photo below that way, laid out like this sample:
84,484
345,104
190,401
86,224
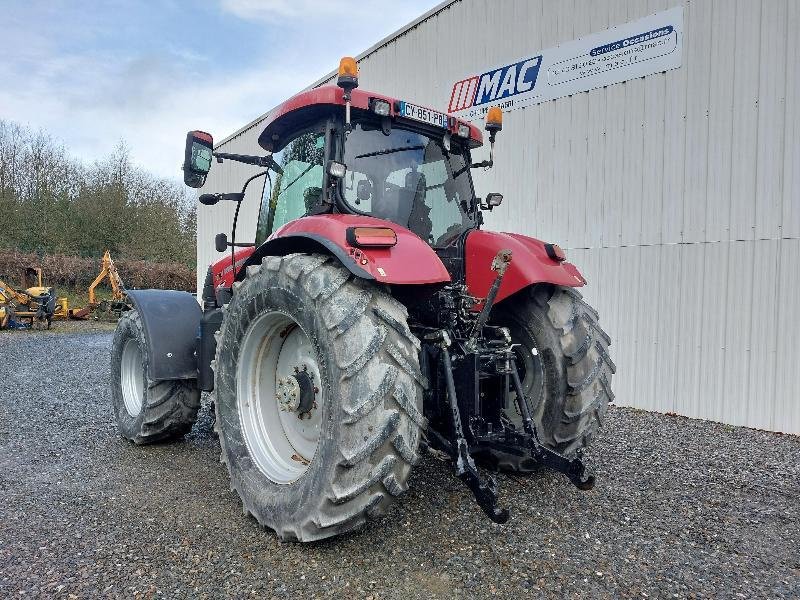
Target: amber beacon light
494,119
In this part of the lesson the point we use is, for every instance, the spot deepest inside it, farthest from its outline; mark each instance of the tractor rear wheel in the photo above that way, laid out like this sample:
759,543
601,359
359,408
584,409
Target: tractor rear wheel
564,366
318,396
147,411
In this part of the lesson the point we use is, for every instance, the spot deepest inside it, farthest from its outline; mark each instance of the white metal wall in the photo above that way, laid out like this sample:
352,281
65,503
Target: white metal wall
677,194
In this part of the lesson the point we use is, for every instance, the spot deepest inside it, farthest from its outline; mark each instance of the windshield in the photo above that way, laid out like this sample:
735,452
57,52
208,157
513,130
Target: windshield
407,178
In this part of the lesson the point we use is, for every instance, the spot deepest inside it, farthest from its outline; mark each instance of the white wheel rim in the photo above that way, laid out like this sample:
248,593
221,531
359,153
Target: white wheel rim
281,441
132,377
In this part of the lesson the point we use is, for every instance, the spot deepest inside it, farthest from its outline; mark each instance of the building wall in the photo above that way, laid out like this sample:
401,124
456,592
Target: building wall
677,194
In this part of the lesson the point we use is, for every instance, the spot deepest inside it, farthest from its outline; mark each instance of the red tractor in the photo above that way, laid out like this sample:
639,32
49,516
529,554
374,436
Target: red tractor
371,315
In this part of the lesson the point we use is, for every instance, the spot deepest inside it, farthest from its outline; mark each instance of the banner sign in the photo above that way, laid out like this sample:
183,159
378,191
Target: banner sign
650,45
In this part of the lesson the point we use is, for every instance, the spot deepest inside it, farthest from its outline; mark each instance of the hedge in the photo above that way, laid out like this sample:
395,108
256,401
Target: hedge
73,272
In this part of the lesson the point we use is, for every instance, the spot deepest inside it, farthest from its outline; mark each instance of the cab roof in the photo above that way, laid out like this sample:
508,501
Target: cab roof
313,103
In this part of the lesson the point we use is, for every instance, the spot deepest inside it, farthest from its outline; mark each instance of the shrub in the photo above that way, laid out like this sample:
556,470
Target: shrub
74,272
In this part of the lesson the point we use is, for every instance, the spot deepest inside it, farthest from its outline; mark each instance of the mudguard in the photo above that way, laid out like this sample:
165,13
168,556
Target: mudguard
530,264
171,320
410,262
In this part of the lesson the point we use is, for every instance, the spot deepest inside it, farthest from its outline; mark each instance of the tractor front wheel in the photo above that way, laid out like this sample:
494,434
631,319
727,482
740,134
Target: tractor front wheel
318,396
564,366
147,411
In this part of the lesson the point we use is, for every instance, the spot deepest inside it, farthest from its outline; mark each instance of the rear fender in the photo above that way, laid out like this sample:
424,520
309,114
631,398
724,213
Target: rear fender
171,321
410,262
529,265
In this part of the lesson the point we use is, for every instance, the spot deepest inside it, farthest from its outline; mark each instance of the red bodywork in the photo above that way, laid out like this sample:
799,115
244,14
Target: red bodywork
413,262
221,271
529,264
410,262
286,117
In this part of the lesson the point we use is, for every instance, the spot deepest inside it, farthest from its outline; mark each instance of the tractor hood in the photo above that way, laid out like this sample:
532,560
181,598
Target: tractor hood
530,264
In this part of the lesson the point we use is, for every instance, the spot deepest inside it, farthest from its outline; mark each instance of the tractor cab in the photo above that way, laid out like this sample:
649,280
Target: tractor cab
398,172
339,150
391,160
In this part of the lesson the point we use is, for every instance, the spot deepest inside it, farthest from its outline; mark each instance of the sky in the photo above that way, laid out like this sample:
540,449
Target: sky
146,72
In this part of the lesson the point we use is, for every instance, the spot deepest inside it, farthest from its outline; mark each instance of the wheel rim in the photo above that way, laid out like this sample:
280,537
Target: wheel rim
132,377
280,402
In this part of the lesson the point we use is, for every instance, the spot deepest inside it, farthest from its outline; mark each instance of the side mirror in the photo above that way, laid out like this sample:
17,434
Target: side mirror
221,242
491,201
197,158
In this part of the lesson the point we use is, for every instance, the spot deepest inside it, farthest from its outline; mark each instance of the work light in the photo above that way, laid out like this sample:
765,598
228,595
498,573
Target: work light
337,169
379,107
492,201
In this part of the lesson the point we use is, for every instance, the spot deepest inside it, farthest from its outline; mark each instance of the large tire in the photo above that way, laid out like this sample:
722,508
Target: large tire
147,411
571,356
366,366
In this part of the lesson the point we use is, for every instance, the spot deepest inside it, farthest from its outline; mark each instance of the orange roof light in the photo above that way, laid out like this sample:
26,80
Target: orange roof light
494,119
348,67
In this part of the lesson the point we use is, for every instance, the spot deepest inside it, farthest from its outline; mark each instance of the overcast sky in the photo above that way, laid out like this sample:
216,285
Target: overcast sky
149,71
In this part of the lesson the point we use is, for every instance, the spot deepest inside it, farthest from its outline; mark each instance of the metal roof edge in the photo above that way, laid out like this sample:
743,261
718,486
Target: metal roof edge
371,50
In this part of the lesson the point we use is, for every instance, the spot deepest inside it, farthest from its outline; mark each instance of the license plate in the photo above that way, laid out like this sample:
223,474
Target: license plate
420,113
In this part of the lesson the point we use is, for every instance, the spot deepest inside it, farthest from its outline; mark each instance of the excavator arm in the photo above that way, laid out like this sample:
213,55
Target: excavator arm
117,286
9,294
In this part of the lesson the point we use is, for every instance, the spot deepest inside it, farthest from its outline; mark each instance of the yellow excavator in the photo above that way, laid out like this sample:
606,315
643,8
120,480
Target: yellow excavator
36,305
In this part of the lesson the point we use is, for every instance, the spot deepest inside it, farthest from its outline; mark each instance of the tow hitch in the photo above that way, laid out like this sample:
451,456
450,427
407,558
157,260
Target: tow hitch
506,438
485,492
479,357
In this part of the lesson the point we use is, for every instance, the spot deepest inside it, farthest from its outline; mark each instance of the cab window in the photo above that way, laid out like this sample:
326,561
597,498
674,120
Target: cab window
408,178
294,193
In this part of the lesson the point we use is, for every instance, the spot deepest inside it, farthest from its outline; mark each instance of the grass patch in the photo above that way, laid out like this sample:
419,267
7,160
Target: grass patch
78,298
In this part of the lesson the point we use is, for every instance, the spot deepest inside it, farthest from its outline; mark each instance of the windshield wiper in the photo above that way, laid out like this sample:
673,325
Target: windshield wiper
390,151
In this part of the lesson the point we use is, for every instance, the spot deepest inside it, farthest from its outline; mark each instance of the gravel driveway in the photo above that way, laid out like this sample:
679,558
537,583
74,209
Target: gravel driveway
682,508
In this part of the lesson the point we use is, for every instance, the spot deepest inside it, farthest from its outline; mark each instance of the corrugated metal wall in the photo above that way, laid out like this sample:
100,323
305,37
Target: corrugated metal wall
678,194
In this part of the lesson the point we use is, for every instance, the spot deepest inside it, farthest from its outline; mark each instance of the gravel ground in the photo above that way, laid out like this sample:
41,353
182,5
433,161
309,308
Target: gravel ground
682,508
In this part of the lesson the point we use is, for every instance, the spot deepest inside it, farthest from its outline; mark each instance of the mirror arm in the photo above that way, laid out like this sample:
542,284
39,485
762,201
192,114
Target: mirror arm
258,161
488,164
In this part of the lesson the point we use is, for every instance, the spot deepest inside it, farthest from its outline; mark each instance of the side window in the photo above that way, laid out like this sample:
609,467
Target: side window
295,192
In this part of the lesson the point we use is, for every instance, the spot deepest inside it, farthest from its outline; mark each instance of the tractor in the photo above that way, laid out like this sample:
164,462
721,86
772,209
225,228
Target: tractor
370,318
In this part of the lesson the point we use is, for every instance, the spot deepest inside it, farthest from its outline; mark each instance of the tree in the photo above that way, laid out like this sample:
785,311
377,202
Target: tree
51,202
